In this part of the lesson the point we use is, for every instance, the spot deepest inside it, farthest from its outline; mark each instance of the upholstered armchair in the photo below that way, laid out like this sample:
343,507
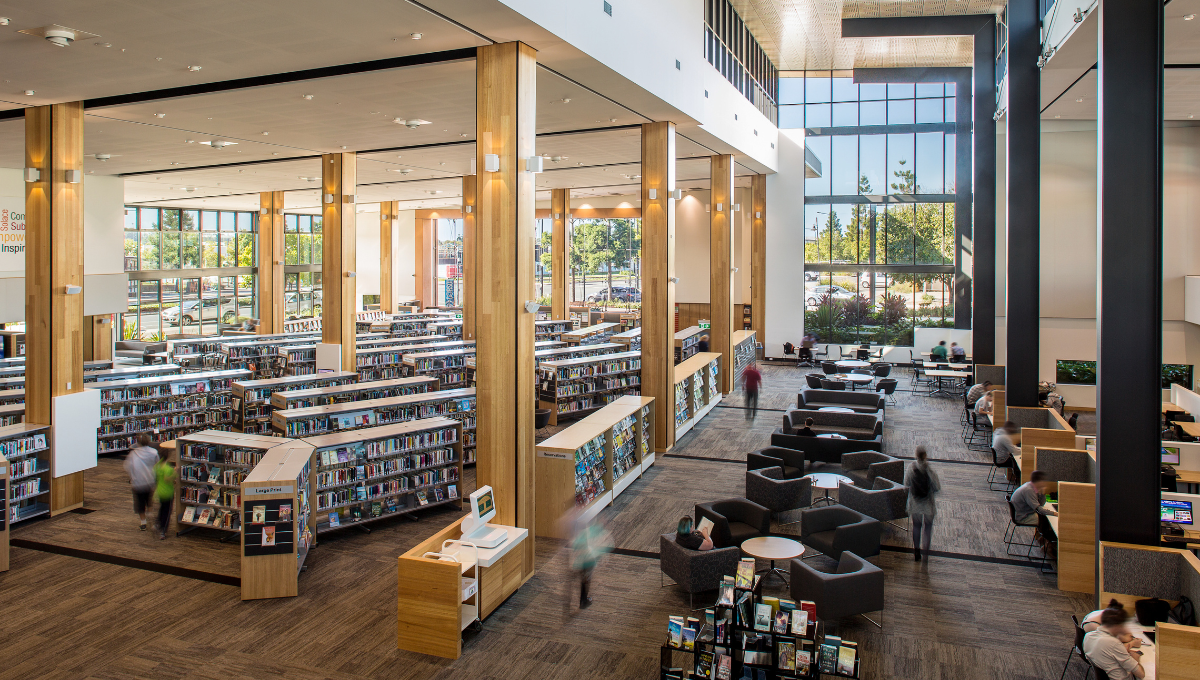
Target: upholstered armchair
885,501
734,520
772,489
854,589
791,460
864,466
835,529
695,571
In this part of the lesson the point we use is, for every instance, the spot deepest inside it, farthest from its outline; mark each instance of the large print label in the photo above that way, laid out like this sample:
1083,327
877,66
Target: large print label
12,235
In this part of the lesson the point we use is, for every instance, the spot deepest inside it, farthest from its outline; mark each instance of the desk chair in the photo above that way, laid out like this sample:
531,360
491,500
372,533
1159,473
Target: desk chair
1077,647
1010,535
881,370
1010,464
818,356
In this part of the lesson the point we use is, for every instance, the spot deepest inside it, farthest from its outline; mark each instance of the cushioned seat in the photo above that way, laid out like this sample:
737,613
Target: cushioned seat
857,425
734,520
855,588
695,571
771,489
864,466
836,529
790,460
824,449
884,500
862,402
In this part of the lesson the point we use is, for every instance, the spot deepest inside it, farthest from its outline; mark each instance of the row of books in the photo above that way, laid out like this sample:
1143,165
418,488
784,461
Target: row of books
432,363
697,391
211,474
127,409
352,474
22,490
589,471
20,446
592,370
624,446
214,453
682,412
346,496
215,517
26,467
714,386
206,495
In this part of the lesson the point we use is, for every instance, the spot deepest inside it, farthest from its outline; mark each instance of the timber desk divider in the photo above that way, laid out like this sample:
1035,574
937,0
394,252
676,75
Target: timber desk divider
1042,427
1074,471
697,390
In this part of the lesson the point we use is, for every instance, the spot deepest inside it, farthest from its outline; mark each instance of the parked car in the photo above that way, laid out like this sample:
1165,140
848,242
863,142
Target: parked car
813,295
297,305
617,293
192,311
812,276
881,281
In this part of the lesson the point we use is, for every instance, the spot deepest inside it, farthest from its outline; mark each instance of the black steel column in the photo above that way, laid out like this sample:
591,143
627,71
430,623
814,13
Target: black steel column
963,151
1023,204
983,301
1129,304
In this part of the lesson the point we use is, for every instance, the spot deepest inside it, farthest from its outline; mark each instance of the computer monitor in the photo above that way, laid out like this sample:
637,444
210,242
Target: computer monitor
475,528
1175,512
1170,455
483,507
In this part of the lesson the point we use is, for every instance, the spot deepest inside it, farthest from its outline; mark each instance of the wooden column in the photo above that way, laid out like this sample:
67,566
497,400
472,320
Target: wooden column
758,256
97,338
388,286
505,118
270,263
560,208
470,190
338,179
658,268
53,261
720,267
425,265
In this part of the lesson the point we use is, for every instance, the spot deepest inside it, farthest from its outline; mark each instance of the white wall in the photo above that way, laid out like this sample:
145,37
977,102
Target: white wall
404,262
366,255
785,246
691,248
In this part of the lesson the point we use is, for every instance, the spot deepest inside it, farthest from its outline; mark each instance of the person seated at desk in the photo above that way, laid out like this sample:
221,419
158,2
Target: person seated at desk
690,539
985,404
1092,622
1105,649
1029,499
938,354
806,346
807,430
958,354
978,390
1005,442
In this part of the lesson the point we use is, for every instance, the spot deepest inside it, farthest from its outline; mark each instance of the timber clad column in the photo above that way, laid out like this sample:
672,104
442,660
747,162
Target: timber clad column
270,263
758,256
658,268
337,252
53,261
387,272
720,267
470,191
505,119
560,206
425,266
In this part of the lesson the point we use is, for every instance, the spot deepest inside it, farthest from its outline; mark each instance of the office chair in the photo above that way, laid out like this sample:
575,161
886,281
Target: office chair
829,368
1010,464
1077,647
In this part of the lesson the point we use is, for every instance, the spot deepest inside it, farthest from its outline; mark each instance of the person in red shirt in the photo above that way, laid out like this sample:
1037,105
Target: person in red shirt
753,380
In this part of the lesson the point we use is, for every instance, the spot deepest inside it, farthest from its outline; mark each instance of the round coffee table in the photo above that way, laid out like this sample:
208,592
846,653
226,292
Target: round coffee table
852,363
836,409
831,436
827,481
855,379
773,548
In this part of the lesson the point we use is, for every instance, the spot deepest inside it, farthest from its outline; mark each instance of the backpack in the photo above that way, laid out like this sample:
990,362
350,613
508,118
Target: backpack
788,348
1151,610
1183,613
919,484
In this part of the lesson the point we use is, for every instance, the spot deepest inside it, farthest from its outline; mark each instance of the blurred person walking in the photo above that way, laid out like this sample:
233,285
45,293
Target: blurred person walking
164,490
753,380
923,486
590,543
139,463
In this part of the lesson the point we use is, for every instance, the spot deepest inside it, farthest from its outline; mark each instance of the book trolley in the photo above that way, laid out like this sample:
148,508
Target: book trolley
591,335
551,329
745,347
572,387
252,398
166,407
378,472
26,451
631,339
356,391
277,521
751,635
448,366
212,465
686,342
697,389
589,464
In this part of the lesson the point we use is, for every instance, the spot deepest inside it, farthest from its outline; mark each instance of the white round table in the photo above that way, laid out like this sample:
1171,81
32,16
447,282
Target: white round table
854,379
832,436
773,548
853,363
827,481
836,409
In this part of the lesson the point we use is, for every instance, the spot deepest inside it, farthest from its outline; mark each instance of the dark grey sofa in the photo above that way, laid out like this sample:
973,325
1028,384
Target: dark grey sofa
825,449
862,402
828,422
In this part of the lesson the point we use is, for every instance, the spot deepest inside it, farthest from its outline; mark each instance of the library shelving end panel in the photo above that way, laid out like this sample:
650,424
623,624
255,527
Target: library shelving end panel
4,519
277,522
430,607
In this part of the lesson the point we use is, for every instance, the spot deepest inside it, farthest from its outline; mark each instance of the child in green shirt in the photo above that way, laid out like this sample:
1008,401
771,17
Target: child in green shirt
164,489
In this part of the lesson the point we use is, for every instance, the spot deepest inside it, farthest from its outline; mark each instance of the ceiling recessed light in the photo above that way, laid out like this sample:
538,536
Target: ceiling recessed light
311,179
1080,99
29,93
306,96
193,68
265,133
416,36
612,120
462,134
219,143
160,115
566,100
155,59
1058,116
343,146
1189,17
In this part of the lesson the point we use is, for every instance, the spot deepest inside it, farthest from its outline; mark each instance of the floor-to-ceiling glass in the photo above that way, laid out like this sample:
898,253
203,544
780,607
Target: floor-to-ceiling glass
302,266
448,281
604,259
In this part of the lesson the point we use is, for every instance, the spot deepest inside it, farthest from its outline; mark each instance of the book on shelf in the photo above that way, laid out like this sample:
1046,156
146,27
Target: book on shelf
704,665
785,652
847,654
804,657
828,654
799,622
689,638
675,631
781,622
189,514
745,573
205,516
334,520
268,535
285,512
762,617
452,490
724,667
726,597
422,498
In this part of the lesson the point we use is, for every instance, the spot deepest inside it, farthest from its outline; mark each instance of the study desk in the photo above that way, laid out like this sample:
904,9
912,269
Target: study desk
1147,649
1168,407
1189,477
1192,429
929,354
855,379
953,367
940,375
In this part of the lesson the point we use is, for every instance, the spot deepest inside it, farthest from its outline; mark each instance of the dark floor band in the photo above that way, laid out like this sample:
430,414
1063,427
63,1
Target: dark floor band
223,579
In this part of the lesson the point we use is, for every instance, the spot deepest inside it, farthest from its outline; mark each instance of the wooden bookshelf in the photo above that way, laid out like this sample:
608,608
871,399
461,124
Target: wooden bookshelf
26,450
378,472
631,339
407,325
252,398
10,368
102,375
358,391
212,344
166,407
265,358
211,466
697,389
745,349
302,325
448,366
4,473
12,413
577,352
278,528
375,343
630,321
356,415
454,329
13,343
573,387
686,342
552,329
539,345
580,468
747,318
590,335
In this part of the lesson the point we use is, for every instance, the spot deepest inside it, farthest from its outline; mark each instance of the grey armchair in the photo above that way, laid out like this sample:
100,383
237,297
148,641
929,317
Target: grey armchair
885,501
835,529
791,460
864,466
695,571
770,488
854,589
734,520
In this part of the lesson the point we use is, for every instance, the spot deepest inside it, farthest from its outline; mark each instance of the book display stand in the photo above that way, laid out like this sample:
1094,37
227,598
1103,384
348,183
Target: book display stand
590,335
4,522
26,449
165,407
367,475
551,329
697,389
573,387
211,468
456,404
277,521
686,343
252,398
745,347
590,463
448,366
631,339
354,391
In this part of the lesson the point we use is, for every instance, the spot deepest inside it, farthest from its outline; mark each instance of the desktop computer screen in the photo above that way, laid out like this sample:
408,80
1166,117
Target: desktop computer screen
1176,512
1170,455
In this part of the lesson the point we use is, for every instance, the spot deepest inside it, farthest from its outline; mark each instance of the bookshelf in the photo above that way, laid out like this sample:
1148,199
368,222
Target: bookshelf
369,474
10,368
316,420
448,366
590,335
3,513
631,339
355,391
548,344
572,387
252,398
697,389
551,329
745,348
301,325
14,343
396,342
278,524
212,344
16,396
14,413
630,321
686,342
577,352
211,467
265,358
407,325
26,449
453,329
747,321
102,375
165,407
590,463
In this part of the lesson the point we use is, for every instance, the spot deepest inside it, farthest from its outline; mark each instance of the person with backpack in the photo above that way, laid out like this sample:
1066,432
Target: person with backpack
923,486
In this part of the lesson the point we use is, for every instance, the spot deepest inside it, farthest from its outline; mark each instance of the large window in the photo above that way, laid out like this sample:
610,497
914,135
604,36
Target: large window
604,257
543,262
191,272
732,49
449,277
879,234
301,266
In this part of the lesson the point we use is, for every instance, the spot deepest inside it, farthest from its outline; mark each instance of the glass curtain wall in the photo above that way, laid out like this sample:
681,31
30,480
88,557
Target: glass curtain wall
449,276
301,266
191,272
542,260
604,256
879,223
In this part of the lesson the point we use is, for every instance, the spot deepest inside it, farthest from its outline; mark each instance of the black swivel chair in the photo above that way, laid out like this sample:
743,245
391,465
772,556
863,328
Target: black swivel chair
830,367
